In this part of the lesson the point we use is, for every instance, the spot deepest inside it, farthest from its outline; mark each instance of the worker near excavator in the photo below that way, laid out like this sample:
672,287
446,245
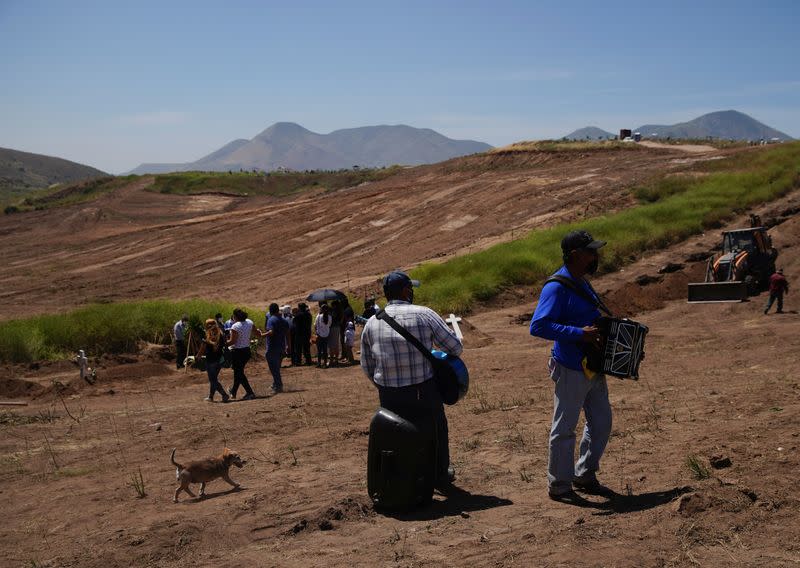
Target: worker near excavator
778,286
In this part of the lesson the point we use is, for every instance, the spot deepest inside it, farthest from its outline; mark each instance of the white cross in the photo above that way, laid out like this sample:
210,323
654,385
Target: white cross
453,320
83,363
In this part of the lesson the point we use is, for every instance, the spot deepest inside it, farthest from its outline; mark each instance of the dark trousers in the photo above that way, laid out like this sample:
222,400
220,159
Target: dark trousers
322,349
213,370
420,402
274,364
239,358
180,353
295,351
304,345
772,298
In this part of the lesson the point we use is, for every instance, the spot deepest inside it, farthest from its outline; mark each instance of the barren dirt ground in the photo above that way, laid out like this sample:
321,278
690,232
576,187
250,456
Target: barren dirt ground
720,382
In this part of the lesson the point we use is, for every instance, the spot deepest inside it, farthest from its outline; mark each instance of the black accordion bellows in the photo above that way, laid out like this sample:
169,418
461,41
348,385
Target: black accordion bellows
622,346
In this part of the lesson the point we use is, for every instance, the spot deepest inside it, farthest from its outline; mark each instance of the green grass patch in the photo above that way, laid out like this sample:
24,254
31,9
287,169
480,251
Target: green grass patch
67,195
266,183
72,471
568,146
697,468
102,328
110,328
674,211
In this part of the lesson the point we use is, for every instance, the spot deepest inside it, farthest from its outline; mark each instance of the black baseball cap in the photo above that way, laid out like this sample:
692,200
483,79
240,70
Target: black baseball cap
579,240
396,280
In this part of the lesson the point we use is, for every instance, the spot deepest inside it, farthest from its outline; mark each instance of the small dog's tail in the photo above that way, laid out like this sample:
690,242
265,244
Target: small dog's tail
172,459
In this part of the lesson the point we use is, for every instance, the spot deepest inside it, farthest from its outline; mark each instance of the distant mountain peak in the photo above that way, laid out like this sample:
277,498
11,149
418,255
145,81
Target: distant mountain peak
26,170
589,132
725,124
289,145
283,129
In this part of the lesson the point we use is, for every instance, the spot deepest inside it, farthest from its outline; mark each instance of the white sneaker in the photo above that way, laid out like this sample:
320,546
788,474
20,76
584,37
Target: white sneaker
208,399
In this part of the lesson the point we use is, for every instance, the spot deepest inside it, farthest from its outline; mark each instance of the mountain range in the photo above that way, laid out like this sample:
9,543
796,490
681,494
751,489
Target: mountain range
290,146
725,124
24,170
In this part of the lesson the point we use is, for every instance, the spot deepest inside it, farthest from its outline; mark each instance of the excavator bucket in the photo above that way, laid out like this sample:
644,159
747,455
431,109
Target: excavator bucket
734,291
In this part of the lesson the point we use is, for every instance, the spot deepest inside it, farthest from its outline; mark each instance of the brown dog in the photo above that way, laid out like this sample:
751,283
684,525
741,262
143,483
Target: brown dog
204,471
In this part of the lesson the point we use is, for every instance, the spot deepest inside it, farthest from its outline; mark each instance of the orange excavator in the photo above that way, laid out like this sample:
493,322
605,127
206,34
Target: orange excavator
743,269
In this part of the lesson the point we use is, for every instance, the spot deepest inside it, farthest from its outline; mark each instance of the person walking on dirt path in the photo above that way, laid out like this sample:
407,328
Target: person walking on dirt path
211,347
277,332
239,343
179,333
402,374
568,318
778,286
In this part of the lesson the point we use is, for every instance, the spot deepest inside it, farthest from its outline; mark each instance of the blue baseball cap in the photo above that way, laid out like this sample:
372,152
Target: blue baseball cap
397,280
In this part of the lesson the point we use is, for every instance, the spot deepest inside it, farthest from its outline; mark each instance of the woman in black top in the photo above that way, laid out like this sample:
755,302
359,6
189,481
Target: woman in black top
212,346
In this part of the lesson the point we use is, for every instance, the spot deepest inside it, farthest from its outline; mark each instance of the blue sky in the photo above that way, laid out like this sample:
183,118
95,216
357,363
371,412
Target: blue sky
115,83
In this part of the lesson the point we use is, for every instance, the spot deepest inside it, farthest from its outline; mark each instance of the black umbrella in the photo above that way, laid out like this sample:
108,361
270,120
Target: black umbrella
325,294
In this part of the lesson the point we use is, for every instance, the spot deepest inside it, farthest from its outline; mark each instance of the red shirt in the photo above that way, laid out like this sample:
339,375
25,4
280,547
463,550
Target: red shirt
778,284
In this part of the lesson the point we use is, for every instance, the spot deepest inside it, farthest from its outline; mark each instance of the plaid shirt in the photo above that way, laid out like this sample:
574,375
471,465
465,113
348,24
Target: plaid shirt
391,361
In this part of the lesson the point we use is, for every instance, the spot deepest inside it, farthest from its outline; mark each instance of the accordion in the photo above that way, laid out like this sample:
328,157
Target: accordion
621,347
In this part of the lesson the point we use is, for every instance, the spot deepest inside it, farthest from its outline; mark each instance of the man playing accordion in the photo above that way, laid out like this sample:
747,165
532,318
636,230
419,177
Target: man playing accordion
567,317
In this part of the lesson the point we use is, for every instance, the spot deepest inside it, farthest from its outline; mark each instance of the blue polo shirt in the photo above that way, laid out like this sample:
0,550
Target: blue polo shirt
276,342
560,315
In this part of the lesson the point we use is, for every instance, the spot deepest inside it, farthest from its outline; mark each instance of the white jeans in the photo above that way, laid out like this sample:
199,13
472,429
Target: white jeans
574,391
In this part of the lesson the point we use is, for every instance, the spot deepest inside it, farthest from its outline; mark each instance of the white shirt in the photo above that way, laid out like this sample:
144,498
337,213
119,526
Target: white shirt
321,328
243,331
179,329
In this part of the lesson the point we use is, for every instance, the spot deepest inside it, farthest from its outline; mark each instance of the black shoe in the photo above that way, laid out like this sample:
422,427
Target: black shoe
591,486
249,396
276,390
568,498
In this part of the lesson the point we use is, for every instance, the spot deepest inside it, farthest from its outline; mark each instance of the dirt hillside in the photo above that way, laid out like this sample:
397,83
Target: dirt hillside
134,244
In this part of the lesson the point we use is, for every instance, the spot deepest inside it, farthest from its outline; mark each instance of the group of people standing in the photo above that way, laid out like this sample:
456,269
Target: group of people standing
335,333
289,332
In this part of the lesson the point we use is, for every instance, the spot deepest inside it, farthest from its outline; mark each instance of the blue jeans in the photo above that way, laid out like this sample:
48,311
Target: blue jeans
213,370
274,364
573,392
772,298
